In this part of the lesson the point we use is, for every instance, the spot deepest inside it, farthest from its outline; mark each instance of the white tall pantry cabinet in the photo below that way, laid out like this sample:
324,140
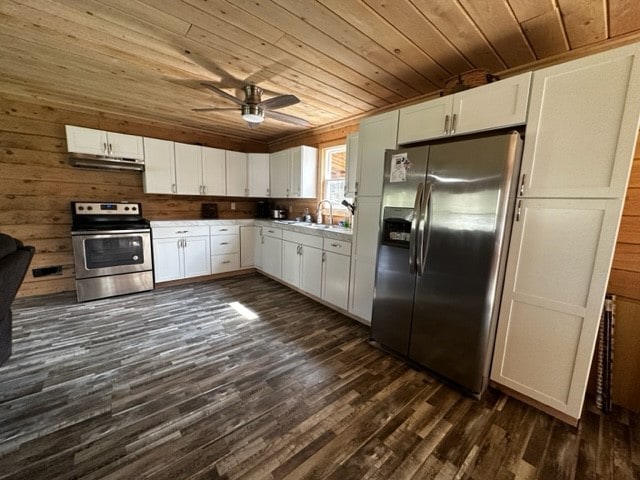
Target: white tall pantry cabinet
376,134
580,137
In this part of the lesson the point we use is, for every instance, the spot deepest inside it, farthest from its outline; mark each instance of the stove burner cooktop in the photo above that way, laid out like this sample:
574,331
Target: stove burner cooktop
95,216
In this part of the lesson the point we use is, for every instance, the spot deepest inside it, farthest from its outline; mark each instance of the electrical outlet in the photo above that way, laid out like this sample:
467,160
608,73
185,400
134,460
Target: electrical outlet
233,205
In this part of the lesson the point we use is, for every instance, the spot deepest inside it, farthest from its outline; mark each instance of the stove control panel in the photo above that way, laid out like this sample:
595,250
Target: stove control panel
115,208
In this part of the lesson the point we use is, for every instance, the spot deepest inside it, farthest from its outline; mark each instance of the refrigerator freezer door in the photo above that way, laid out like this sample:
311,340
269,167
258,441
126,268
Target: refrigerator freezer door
395,284
454,297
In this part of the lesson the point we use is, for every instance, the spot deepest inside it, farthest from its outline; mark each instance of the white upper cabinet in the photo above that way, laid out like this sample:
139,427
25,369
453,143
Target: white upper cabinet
582,112
213,171
183,169
293,172
351,180
304,165
237,174
495,105
279,174
188,169
426,120
258,174
99,142
160,166
377,134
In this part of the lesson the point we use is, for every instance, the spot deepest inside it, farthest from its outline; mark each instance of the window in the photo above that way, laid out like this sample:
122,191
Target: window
334,163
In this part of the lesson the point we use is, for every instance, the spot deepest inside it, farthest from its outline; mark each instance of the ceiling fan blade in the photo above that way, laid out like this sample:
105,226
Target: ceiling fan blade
284,117
213,109
222,93
280,101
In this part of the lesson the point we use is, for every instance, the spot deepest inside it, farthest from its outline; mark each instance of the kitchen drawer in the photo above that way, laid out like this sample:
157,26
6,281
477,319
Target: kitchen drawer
302,238
225,263
171,232
272,232
225,230
337,246
223,244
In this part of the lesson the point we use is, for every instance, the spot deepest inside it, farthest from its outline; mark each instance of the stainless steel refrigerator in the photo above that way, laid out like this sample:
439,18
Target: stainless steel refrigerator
445,225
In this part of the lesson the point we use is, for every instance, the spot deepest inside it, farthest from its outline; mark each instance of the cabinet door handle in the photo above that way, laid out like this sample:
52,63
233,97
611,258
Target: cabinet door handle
185,243
262,240
110,149
521,192
324,257
446,124
173,188
454,121
104,147
518,210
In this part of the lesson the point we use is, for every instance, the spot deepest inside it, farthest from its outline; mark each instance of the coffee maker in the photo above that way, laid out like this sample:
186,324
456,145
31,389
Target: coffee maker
264,209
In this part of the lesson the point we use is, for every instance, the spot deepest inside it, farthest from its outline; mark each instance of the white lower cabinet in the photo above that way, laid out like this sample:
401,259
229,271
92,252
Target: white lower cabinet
272,251
225,248
311,270
180,252
291,263
248,246
336,266
302,261
257,259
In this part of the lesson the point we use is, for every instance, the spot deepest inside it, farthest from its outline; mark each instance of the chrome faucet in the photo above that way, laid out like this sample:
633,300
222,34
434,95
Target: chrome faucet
319,213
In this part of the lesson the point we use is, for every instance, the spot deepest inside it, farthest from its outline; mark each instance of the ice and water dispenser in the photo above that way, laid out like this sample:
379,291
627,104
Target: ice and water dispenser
396,226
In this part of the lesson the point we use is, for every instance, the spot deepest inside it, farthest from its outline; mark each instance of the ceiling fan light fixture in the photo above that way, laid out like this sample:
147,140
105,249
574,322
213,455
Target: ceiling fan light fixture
252,113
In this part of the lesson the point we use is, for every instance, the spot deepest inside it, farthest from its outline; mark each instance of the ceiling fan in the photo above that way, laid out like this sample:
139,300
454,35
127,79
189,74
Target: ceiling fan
253,109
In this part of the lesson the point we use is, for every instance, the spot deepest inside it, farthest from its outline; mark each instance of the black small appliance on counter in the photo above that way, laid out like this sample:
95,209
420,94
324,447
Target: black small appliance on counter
264,209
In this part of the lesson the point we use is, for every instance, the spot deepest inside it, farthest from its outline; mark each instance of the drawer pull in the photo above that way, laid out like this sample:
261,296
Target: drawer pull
271,231
227,261
224,229
337,245
224,243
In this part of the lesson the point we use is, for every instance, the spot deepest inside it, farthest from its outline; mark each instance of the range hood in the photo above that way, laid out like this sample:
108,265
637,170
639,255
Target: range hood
100,162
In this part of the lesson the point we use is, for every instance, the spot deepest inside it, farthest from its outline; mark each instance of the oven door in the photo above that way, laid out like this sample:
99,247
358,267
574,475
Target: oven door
98,254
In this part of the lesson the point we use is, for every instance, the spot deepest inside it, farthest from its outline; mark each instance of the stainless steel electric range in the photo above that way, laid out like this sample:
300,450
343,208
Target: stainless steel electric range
111,249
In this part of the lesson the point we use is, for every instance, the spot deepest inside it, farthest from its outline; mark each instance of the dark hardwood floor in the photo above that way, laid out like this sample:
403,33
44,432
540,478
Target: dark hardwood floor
176,384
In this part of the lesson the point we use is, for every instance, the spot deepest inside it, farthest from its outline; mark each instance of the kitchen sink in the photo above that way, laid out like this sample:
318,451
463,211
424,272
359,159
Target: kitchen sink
287,222
316,226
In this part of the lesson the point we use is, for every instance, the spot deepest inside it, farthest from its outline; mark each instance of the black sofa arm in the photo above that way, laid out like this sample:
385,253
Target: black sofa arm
14,264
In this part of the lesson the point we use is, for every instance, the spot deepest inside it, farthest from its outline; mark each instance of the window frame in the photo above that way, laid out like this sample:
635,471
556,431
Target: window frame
325,174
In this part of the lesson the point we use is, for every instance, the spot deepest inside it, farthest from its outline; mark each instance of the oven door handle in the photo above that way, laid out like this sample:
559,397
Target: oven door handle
109,232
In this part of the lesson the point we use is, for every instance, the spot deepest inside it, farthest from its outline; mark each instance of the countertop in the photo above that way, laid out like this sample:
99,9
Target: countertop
334,232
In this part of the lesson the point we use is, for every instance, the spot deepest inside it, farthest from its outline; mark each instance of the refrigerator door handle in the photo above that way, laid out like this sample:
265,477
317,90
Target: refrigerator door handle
414,228
423,245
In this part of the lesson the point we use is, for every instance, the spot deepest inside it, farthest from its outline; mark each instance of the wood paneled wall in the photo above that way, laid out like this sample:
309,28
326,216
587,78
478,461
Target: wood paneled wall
37,183
624,282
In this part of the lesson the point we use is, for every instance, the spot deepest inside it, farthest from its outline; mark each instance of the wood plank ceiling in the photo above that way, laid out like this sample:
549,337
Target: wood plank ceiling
342,58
